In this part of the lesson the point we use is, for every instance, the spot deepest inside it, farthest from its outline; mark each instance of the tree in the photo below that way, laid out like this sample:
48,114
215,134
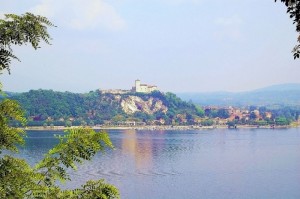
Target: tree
232,124
282,121
199,111
223,113
293,9
20,30
18,178
207,122
252,115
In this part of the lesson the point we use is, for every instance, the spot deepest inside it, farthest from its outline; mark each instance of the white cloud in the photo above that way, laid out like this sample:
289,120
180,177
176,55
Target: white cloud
81,14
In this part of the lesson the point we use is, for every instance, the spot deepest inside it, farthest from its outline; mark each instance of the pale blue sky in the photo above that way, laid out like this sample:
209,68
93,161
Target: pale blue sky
179,45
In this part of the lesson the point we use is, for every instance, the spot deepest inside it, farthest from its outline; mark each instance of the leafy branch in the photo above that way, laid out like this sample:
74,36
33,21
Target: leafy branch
293,9
20,30
77,145
19,180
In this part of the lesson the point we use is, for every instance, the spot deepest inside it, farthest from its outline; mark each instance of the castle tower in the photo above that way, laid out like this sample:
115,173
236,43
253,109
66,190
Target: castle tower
137,85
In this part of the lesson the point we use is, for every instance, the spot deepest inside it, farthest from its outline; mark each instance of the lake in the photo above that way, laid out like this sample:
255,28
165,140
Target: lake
218,163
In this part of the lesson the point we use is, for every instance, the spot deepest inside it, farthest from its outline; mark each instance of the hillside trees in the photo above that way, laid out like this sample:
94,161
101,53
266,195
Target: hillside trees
18,179
293,9
53,107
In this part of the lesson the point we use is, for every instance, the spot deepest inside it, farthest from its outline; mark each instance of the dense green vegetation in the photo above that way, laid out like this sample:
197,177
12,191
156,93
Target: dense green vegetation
179,111
61,108
278,121
46,107
52,108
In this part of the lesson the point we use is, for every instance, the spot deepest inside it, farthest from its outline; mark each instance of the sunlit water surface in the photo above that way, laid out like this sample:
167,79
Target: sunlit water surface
219,163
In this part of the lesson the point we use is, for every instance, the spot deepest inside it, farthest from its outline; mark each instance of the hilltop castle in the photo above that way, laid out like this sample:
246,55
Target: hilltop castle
143,88
138,88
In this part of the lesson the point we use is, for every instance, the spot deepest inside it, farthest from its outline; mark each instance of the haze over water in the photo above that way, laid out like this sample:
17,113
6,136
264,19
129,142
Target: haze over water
219,163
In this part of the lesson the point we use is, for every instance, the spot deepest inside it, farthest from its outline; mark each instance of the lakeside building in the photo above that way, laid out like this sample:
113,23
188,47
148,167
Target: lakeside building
143,88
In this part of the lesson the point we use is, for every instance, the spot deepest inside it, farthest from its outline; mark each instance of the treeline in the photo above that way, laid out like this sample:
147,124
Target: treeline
52,108
65,108
48,107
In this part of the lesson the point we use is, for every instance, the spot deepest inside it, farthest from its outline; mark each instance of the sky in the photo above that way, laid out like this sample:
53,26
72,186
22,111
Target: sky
178,45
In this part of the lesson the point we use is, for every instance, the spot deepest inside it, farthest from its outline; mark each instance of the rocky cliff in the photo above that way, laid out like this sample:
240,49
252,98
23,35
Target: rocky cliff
132,104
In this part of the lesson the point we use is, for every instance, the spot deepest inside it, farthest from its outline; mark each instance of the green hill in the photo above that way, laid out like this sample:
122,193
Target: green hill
48,107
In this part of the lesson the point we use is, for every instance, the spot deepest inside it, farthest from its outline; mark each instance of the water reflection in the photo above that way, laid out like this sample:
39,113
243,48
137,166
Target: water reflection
140,150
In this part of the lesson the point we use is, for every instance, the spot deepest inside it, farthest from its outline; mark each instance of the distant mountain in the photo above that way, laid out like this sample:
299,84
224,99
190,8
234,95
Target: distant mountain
283,94
281,87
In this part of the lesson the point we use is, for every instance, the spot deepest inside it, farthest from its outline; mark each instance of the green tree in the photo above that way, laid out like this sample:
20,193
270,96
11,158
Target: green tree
252,115
207,122
293,9
199,111
20,30
261,123
232,124
282,121
223,113
18,178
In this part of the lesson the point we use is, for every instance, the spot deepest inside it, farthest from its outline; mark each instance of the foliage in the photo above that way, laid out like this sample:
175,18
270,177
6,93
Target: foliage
9,137
18,178
293,9
177,109
232,124
19,30
282,121
252,116
262,123
58,107
221,113
207,122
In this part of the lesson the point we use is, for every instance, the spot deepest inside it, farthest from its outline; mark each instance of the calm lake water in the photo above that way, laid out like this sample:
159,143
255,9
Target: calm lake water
219,163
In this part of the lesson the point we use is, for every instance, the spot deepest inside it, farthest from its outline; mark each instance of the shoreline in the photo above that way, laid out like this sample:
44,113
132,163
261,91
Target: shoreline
152,128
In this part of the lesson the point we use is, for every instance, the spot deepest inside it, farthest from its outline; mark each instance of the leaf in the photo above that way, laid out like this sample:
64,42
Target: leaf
19,30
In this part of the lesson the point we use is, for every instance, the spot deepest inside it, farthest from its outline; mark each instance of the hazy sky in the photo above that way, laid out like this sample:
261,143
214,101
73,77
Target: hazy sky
178,45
